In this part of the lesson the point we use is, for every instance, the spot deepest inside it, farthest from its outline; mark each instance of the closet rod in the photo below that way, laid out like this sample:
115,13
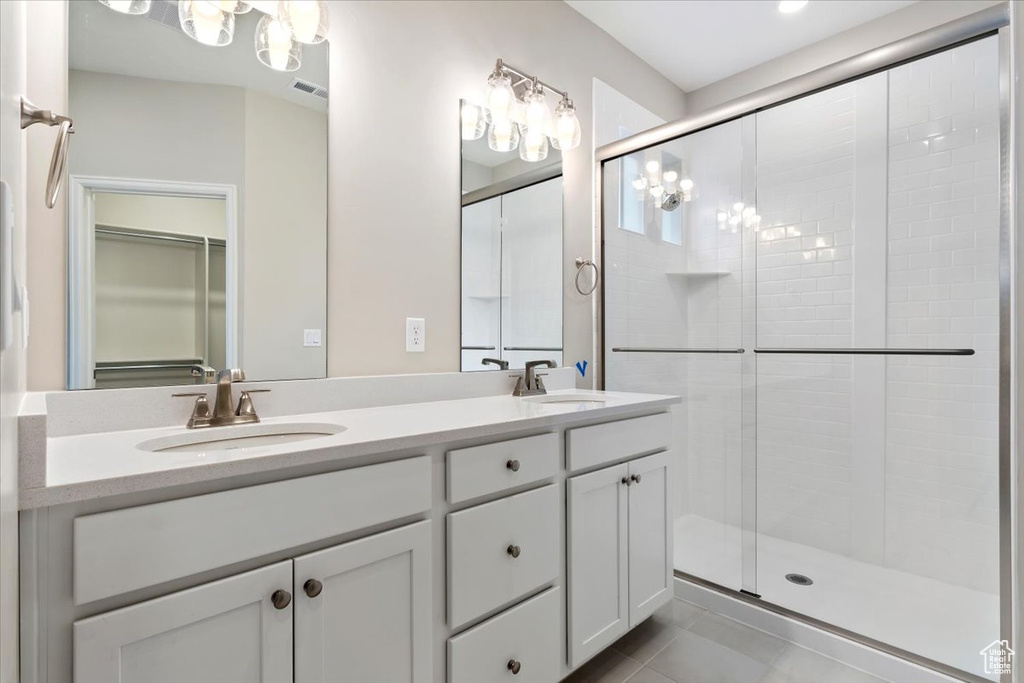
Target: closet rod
125,232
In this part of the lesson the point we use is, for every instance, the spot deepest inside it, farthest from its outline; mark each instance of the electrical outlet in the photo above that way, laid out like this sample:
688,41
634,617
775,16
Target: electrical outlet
415,335
311,338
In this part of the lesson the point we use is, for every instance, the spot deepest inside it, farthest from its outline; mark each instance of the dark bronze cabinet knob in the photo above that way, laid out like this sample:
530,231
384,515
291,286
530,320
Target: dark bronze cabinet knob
281,599
636,478
626,481
514,550
514,666
312,588
513,465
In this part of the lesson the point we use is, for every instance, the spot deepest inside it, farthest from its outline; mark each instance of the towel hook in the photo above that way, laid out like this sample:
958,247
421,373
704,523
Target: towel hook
31,115
581,263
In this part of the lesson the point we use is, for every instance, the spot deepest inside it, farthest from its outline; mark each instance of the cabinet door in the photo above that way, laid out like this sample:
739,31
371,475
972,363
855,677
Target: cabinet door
228,630
650,536
371,620
598,550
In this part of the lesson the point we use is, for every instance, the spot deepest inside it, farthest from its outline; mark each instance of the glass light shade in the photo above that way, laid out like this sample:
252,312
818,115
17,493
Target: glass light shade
567,127
499,96
640,183
308,19
503,135
652,167
275,46
685,184
233,6
533,146
722,216
473,122
538,116
204,21
128,6
657,191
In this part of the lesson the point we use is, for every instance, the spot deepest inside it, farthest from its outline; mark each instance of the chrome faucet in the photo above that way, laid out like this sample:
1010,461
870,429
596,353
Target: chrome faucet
223,412
532,384
502,364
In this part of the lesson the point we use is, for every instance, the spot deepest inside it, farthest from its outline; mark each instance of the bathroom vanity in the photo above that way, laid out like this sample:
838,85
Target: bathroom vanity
481,539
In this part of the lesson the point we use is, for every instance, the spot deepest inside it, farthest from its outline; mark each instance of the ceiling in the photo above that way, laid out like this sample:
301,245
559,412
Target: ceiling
106,41
697,42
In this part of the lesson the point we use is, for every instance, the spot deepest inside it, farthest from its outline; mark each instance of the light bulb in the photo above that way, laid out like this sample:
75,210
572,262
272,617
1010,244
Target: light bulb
657,191
737,207
499,96
473,124
640,183
538,116
307,18
205,22
685,184
790,6
503,135
534,145
567,126
670,176
653,167
275,46
128,6
735,220
722,216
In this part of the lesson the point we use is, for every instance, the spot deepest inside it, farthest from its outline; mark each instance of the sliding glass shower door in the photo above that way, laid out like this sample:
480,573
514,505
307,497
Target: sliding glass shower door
825,299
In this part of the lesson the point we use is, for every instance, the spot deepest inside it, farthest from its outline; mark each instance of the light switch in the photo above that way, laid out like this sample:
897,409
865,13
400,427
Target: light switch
415,335
311,338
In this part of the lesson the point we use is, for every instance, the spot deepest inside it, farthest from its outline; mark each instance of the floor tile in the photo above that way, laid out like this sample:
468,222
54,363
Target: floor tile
691,658
610,666
648,675
796,664
686,613
757,645
648,638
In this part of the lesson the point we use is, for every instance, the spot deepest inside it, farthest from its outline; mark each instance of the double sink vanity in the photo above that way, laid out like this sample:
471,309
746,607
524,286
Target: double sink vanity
424,528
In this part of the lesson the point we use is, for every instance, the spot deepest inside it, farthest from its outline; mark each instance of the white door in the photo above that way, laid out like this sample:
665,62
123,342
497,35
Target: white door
363,610
598,550
650,536
229,630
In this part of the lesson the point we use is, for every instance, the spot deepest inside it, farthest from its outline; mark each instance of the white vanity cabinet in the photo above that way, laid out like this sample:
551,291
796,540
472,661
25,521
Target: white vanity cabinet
619,534
228,630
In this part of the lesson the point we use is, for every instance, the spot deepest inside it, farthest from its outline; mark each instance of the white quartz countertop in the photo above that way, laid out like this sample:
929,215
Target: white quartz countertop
89,466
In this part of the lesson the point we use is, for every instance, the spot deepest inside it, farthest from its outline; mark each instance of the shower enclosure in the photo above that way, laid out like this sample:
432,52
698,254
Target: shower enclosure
826,298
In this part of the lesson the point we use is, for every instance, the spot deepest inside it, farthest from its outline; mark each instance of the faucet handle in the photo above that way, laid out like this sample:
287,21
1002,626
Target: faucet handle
520,387
245,406
200,411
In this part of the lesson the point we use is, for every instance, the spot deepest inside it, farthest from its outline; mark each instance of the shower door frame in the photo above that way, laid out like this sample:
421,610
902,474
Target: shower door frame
992,21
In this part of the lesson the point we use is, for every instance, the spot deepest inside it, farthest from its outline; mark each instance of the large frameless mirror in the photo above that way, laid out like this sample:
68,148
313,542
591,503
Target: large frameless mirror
197,201
511,255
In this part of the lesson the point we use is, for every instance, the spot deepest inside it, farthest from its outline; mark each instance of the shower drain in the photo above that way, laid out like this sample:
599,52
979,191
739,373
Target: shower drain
799,579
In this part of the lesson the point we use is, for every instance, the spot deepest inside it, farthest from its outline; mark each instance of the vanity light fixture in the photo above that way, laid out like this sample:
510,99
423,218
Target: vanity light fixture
525,123
473,121
280,34
128,6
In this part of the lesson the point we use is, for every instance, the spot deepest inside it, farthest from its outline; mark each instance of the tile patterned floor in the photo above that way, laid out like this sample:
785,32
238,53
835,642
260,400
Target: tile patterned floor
684,643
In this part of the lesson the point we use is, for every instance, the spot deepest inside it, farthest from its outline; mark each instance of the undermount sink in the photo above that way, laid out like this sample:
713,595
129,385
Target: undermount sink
240,437
584,399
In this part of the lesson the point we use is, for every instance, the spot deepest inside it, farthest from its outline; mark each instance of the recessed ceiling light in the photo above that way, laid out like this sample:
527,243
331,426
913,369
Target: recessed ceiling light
790,6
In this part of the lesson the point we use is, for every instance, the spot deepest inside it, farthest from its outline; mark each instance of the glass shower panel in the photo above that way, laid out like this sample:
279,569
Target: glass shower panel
673,324
877,473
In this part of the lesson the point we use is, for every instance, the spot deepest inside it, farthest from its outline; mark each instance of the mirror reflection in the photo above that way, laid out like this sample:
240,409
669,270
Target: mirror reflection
511,258
197,202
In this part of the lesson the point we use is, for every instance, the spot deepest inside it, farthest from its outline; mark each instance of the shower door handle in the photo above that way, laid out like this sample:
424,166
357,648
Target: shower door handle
869,351
643,349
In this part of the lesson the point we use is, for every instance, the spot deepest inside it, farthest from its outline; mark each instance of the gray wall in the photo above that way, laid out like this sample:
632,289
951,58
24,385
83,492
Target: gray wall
902,23
393,241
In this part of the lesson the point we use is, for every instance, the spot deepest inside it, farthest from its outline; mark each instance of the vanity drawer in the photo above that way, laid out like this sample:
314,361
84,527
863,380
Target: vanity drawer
500,551
124,550
529,635
496,467
612,441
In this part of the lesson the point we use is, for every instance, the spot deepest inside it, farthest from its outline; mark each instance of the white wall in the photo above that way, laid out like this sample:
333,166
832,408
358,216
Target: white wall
394,188
196,216
915,18
12,360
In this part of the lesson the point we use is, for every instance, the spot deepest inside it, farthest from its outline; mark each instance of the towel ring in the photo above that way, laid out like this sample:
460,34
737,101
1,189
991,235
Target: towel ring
31,114
581,263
